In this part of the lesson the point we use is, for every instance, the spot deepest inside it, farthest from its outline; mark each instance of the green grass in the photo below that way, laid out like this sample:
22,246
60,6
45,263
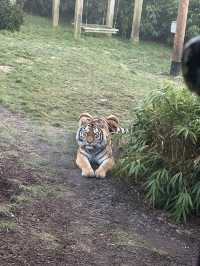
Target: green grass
55,78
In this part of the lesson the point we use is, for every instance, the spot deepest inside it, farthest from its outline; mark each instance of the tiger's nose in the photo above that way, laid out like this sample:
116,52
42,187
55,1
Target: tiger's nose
90,139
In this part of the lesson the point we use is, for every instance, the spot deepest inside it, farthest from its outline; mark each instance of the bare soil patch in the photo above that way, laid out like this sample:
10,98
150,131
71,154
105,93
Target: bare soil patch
62,219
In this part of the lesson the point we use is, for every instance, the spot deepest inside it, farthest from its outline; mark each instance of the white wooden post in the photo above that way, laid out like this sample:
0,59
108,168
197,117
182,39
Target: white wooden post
110,13
55,11
136,20
78,18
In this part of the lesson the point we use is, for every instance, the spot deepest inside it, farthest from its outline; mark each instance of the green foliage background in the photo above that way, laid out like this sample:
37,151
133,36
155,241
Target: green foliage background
156,17
11,15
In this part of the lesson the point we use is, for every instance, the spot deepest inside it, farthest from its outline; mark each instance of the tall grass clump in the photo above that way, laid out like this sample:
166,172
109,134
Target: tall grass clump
163,151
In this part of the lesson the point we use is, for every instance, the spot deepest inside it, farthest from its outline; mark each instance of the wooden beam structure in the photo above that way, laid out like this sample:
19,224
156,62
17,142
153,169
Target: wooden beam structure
55,12
110,13
78,18
135,34
93,28
106,29
179,37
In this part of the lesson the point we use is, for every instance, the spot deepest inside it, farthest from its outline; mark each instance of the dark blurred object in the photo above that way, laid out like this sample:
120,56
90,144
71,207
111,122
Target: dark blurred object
191,64
191,71
198,262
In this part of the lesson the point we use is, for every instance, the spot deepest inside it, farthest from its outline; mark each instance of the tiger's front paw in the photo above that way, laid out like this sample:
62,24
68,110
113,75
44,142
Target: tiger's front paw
100,173
88,173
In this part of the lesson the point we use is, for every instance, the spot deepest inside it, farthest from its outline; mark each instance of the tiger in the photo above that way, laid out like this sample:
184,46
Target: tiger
94,144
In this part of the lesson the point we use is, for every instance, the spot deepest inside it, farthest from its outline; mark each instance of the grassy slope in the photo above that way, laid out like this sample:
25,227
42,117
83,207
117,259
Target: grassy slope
55,77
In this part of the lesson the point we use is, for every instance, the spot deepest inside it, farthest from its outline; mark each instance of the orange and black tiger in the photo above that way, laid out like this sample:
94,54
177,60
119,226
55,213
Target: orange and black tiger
94,140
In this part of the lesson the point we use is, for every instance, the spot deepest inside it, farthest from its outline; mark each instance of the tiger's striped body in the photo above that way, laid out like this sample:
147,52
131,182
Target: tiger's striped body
94,140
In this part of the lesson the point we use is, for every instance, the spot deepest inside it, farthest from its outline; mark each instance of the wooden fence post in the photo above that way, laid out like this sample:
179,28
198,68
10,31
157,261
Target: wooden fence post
55,12
135,34
78,18
179,37
110,13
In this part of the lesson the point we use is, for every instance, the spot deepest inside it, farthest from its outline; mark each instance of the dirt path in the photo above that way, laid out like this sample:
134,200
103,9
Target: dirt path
56,217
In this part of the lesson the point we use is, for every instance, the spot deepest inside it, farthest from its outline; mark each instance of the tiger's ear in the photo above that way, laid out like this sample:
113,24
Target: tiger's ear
84,118
113,123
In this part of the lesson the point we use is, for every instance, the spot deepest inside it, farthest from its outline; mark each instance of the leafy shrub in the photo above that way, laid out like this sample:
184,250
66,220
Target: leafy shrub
11,15
44,8
93,9
163,151
39,7
20,3
156,20
158,15
124,17
193,23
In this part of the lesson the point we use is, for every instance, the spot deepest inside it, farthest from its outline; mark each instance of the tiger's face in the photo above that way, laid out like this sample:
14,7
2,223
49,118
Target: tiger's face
94,133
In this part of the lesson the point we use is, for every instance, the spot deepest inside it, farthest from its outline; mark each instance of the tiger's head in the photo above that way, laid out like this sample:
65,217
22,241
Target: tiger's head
94,132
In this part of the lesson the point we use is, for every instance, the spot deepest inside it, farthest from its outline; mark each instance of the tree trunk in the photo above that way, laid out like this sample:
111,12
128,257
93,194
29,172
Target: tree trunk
179,37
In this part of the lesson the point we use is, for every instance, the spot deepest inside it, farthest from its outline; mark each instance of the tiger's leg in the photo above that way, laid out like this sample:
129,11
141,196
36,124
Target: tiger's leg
106,166
84,164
